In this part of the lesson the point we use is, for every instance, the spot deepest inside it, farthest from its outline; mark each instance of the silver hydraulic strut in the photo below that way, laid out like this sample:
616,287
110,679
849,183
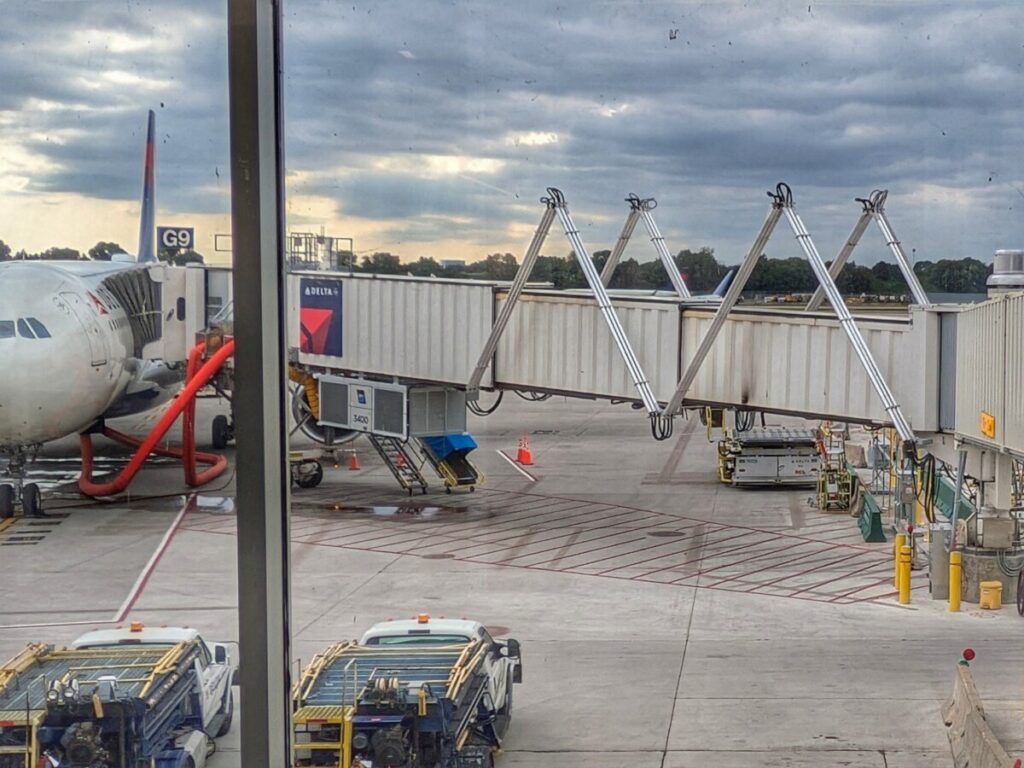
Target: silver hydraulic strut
522,275
860,347
620,244
728,302
555,204
874,208
640,208
782,203
837,266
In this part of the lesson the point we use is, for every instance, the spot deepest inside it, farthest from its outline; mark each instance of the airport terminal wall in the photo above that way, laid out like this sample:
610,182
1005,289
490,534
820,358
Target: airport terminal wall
430,330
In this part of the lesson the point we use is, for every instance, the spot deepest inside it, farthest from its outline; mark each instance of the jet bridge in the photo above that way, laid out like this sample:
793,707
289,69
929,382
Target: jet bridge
666,354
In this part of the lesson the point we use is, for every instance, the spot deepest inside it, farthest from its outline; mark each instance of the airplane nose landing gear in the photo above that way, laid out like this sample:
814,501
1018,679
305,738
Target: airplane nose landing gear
27,495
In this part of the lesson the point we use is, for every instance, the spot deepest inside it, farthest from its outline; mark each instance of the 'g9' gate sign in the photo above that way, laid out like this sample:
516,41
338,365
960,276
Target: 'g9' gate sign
175,238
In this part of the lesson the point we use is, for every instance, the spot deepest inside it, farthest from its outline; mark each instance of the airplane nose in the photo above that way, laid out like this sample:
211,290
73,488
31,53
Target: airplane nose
49,387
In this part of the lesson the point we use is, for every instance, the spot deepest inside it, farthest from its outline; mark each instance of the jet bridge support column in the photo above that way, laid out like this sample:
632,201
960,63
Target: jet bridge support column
728,302
473,388
844,254
873,208
916,289
620,244
646,206
782,203
661,426
846,320
641,209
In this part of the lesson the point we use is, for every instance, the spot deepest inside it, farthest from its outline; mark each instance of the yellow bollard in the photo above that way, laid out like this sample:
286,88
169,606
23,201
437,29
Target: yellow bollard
904,563
954,581
901,541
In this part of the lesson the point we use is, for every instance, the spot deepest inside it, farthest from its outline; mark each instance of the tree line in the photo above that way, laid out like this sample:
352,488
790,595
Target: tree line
102,251
701,269
702,272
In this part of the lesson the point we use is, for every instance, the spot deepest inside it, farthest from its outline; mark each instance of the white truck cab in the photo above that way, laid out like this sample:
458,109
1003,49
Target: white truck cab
504,662
215,668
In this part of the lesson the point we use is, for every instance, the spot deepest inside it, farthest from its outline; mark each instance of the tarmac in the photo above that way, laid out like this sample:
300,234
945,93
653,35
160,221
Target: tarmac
666,620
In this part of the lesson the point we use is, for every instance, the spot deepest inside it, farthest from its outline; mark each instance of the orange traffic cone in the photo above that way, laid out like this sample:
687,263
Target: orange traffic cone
400,461
353,462
524,455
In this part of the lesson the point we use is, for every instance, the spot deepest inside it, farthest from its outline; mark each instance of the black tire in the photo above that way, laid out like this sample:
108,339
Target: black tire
1020,593
6,501
309,478
189,762
31,500
221,432
229,715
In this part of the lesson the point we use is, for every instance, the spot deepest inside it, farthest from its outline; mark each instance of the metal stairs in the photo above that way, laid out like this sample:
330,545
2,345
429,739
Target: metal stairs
401,459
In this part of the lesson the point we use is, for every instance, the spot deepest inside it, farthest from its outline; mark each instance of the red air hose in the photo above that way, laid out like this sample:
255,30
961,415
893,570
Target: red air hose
196,378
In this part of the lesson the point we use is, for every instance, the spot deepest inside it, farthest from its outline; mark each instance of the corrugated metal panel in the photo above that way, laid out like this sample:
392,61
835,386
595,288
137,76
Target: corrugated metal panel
981,340
393,326
561,343
805,364
1013,403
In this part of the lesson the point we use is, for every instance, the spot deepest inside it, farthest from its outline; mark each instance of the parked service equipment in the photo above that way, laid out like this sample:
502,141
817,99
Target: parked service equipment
768,456
418,693
121,698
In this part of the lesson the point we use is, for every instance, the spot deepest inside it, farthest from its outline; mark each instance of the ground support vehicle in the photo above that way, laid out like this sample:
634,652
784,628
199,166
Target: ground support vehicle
419,703
769,456
115,699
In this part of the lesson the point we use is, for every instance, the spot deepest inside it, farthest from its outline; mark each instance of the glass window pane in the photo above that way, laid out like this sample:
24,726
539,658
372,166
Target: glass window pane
23,330
39,328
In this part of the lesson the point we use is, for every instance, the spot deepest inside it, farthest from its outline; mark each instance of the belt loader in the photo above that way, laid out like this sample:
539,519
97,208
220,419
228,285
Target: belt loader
116,699
417,693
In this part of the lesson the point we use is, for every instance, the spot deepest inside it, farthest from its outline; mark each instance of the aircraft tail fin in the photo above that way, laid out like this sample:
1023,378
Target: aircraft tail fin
147,224
724,285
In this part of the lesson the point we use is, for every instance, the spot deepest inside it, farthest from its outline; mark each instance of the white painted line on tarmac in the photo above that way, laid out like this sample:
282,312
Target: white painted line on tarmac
154,560
137,588
516,466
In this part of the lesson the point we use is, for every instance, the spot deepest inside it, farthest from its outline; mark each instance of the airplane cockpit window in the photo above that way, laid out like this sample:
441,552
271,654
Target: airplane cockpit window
6,329
38,327
23,329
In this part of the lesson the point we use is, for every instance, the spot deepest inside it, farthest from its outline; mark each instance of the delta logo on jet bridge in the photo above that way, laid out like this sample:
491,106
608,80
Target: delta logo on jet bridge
320,316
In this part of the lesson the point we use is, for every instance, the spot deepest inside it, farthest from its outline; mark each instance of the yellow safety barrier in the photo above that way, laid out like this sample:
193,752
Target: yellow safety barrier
954,581
991,595
904,563
900,542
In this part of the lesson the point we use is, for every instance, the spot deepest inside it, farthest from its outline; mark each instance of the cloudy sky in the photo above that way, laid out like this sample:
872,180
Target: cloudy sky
432,128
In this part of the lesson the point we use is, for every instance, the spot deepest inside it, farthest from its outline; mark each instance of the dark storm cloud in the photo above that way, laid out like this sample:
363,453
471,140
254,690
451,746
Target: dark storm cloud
701,105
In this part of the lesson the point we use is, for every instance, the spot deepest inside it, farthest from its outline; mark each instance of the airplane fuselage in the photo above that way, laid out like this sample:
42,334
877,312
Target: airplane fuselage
67,356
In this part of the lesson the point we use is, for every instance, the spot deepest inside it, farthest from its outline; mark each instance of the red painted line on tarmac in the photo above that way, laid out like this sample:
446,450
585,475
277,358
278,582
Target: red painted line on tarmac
817,565
621,531
700,546
766,531
878,563
756,557
707,555
843,595
633,552
602,548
